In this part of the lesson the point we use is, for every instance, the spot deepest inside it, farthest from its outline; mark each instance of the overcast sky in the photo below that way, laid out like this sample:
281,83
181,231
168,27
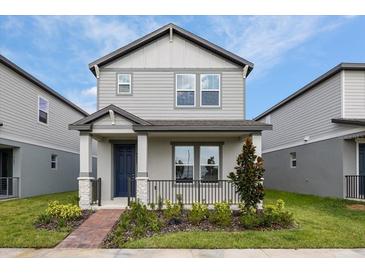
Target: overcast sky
288,51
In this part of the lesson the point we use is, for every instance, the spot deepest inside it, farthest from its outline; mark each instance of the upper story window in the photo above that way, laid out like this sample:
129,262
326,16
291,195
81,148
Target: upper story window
185,90
43,109
210,90
293,159
124,83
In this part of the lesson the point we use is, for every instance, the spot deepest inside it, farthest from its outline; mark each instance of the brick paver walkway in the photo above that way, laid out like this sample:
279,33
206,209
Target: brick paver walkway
93,231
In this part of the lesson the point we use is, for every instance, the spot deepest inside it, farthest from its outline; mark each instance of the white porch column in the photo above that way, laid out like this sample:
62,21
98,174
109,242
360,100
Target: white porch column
85,178
256,141
142,174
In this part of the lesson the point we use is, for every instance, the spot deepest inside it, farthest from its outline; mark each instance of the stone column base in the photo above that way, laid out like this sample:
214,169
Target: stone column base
85,192
142,189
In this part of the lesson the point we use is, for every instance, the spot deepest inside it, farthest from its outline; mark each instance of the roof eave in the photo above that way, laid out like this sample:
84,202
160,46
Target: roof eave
203,128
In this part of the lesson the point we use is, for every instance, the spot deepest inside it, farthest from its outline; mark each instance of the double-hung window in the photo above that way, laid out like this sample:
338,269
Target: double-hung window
54,161
209,163
184,163
124,83
210,86
185,90
43,109
293,159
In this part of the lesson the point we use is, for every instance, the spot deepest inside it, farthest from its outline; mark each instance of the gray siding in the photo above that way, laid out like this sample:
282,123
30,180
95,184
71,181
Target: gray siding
19,114
320,170
153,95
307,115
354,94
33,165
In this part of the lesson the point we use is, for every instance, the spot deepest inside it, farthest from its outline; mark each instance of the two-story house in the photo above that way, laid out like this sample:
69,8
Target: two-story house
317,145
171,114
38,154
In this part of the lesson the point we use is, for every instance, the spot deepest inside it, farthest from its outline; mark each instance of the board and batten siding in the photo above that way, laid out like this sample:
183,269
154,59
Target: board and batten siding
179,53
309,114
19,114
354,94
153,95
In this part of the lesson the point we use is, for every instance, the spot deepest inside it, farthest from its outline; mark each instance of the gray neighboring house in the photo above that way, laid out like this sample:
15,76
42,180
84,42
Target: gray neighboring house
170,121
317,145
38,154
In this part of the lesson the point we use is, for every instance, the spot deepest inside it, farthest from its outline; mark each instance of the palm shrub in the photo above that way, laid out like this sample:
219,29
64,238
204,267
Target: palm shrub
172,213
248,175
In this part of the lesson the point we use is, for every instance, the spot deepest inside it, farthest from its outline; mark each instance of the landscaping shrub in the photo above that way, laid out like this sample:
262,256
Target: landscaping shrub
160,203
179,199
198,213
172,213
135,223
277,215
221,215
64,212
57,216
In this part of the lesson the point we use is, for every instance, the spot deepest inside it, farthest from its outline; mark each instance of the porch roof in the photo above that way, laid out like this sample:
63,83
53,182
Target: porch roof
141,125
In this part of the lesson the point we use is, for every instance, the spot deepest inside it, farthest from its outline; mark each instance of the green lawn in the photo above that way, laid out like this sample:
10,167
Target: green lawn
17,217
323,223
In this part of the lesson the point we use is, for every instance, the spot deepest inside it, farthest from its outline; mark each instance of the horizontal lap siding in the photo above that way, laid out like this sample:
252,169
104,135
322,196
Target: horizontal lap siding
19,113
154,96
354,94
309,114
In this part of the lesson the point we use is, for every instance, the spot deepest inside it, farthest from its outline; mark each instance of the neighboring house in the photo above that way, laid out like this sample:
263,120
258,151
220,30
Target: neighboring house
171,114
38,154
317,145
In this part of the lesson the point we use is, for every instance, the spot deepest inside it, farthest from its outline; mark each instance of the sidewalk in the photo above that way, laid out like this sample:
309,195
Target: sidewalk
180,253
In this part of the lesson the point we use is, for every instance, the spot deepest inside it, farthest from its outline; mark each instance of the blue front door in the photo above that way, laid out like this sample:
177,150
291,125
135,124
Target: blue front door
124,163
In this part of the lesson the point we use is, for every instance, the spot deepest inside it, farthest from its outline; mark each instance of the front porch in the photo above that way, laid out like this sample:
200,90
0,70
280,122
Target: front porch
154,168
152,160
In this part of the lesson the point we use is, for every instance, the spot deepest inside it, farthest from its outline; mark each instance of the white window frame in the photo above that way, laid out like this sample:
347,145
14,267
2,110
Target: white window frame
217,165
177,90
54,161
192,164
39,99
292,159
202,90
124,83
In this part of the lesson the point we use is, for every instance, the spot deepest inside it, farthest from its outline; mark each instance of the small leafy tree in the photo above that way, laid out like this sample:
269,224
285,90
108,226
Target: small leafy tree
248,175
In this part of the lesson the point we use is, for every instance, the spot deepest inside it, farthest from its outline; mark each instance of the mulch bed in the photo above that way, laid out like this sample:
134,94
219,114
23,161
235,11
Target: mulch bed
183,225
54,225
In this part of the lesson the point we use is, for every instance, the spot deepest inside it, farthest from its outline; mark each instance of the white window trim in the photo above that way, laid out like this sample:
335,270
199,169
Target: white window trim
217,165
125,83
55,161
293,159
40,122
175,165
219,91
176,91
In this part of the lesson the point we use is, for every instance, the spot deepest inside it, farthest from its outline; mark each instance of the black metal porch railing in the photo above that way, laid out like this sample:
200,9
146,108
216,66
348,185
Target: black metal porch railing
9,187
192,191
355,186
96,192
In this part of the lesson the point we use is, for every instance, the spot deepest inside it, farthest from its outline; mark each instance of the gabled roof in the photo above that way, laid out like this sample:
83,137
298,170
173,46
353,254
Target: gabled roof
139,124
163,31
86,123
6,62
317,81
